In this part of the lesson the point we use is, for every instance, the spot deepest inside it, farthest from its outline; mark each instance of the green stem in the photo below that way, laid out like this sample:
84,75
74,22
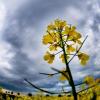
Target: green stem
68,69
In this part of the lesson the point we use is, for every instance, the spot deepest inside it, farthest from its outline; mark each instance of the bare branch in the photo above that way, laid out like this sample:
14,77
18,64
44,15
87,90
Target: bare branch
77,84
59,73
58,52
78,50
49,74
88,88
80,83
62,51
36,87
62,72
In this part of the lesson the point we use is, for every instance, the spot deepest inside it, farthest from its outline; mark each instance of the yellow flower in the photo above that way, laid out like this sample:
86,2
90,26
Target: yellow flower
47,39
53,47
51,27
98,80
70,48
74,35
79,41
62,57
60,23
89,80
83,58
50,38
64,76
71,30
49,57
66,30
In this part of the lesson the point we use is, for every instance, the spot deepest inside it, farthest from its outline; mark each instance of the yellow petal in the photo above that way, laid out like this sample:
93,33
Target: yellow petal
53,47
60,23
89,80
66,30
62,78
49,57
70,48
47,39
83,58
50,27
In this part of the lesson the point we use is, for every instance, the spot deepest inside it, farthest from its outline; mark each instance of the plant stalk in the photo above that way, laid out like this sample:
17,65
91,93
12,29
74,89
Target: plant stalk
68,70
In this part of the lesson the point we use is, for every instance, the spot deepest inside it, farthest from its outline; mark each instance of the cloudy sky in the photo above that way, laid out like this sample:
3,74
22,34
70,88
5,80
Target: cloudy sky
22,25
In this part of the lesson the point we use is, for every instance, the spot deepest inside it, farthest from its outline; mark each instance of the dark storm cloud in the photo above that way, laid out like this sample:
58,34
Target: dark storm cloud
35,12
31,15
28,15
22,65
12,84
13,37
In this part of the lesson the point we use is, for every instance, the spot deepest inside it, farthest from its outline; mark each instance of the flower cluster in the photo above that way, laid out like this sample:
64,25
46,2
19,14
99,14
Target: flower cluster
71,40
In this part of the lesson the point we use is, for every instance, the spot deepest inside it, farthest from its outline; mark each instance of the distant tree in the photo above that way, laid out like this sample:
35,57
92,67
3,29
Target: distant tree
59,95
47,95
6,92
18,93
30,94
12,92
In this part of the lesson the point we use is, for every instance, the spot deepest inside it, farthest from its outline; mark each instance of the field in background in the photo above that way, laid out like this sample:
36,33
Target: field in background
89,94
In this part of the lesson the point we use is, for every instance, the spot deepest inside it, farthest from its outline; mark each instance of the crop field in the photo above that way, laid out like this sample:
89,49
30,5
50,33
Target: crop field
92,93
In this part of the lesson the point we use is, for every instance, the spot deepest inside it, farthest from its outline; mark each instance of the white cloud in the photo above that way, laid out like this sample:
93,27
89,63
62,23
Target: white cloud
2,15
12,5
74,14
5,56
